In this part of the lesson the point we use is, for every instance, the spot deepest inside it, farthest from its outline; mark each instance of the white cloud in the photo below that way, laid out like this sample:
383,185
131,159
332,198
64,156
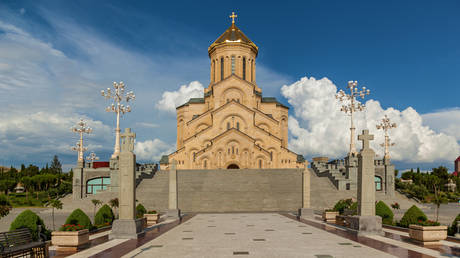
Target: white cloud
172,99
148,125
446,121
152,150
34,135
320,128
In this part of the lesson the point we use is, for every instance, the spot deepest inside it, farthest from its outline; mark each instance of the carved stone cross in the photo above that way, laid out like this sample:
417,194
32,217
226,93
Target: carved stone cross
127,140
365,138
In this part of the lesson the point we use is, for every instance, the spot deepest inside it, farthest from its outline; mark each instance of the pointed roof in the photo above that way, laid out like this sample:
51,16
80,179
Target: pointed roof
233,35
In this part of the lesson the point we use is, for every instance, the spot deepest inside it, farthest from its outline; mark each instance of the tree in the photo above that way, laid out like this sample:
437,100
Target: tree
54,204
56,167
439,198
396,173
95,203
5,206
114,204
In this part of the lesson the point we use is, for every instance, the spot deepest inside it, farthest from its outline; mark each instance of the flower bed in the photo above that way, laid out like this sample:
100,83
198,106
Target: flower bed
70,238
427,234
330,216
152,217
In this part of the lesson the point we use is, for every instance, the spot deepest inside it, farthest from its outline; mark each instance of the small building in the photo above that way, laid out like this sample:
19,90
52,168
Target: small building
19,188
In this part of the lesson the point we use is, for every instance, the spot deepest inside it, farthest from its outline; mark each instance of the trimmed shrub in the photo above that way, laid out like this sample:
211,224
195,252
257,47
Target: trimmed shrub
453,228
78,217
140,210
382,210
29,219
412,216
341,205
104,215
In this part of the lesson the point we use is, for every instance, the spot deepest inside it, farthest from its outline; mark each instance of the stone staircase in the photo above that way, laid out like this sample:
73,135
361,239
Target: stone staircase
337,177
324,195
206,187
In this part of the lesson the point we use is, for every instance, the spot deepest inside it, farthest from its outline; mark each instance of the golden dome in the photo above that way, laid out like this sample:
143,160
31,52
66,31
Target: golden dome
231,36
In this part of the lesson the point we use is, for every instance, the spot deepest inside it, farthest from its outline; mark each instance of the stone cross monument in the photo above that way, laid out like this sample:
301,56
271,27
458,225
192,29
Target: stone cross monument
366,174
366,223
127,226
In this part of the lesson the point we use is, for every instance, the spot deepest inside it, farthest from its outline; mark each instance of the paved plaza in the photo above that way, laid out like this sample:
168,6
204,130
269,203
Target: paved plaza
256,235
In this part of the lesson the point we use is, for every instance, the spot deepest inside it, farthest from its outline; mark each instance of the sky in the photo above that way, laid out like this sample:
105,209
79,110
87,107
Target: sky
56,56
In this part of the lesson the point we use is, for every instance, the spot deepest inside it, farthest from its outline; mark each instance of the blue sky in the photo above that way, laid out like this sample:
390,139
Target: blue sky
64,52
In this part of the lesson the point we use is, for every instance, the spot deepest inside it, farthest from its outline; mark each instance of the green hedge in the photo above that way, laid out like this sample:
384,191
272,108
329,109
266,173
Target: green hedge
382,210
104,215
78,217
453,228
28,219
412,215
140,210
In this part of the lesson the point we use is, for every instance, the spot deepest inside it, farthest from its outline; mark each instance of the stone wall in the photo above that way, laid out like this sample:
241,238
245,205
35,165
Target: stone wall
226,190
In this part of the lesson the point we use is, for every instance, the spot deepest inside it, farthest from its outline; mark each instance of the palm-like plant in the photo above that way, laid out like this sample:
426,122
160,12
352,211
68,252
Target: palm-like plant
114,204
95,202
54,204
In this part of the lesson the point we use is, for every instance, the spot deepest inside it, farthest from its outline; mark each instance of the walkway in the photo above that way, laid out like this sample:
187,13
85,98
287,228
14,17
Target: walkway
259,235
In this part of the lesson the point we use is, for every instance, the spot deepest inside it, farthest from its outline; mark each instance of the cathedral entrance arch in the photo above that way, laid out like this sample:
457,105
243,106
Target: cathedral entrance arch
233,166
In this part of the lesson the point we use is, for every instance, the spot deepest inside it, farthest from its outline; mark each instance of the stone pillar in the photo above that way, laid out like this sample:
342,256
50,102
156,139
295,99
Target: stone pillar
306,210
127,226
173,210
114,175
366,223
389,178
78,191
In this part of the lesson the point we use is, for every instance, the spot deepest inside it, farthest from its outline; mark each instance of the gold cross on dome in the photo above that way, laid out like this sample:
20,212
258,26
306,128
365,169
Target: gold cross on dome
233,16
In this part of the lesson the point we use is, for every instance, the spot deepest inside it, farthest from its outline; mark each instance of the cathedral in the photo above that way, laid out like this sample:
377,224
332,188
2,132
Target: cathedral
233,126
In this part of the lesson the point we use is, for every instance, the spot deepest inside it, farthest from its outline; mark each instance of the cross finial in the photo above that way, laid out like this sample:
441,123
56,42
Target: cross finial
127,140
233,16
365,138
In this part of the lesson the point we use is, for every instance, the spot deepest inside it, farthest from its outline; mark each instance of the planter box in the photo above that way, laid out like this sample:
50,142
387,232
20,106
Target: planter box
70,240
152,219
330,216
428,235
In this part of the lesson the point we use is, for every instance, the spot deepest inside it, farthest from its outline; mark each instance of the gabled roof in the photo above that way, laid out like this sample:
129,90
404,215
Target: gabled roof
164,159
192,101
273,100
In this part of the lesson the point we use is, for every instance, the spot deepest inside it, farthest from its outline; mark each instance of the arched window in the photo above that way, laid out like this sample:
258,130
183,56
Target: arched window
244,68
260,163
237,125
378,183
233,149
97,184
205,163
213,70
252,70
228,125
221,68
236,150
233,64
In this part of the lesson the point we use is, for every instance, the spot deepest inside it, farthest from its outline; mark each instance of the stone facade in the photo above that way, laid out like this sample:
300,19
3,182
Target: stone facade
233,126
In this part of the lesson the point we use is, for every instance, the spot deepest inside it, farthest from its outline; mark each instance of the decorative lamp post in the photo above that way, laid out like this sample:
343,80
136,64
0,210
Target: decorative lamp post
351,105
118,95
92,157
81,128
386,125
